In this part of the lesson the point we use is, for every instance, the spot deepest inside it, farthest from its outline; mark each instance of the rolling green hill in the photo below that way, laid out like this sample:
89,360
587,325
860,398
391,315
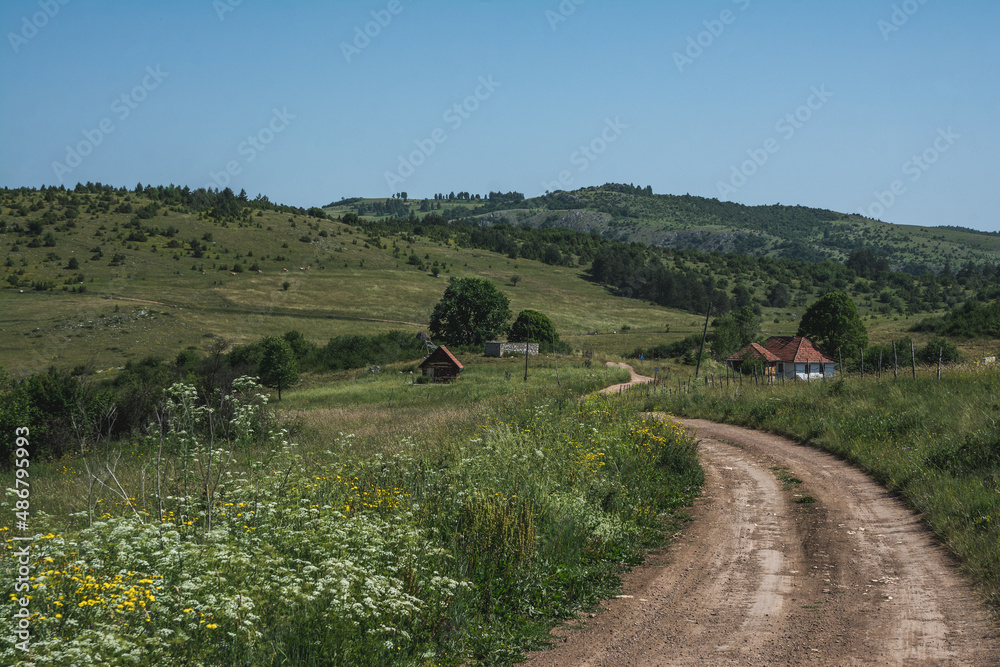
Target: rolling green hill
629,213
97,276
196,272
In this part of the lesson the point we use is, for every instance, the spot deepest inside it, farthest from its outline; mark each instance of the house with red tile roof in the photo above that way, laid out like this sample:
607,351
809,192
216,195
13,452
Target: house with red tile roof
788,357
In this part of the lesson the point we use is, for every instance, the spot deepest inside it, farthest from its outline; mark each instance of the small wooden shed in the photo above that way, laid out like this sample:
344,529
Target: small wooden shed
441,365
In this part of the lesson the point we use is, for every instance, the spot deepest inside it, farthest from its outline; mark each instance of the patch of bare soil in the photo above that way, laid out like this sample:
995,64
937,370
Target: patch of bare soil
829,571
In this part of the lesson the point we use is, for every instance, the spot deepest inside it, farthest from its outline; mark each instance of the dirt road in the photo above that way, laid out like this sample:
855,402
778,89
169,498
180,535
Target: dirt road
634,380
852,578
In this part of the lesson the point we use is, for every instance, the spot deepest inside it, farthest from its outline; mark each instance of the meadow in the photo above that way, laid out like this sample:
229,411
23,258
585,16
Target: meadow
934,442
368,521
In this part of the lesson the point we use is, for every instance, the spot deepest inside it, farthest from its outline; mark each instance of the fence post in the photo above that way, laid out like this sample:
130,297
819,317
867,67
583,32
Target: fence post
940,354
862,351
895,362
913,360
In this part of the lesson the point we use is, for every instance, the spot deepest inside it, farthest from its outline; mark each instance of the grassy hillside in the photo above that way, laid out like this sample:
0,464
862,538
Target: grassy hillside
128,299
100,277
629,213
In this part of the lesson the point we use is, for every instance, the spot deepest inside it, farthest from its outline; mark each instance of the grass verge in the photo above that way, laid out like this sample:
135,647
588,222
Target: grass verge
437,546
934,442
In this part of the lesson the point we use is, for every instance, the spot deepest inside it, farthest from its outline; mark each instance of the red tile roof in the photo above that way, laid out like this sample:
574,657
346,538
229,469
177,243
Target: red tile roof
796,349
753,350
788,349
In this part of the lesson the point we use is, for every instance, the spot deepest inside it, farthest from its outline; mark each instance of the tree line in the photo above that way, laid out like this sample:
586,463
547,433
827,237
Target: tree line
73,409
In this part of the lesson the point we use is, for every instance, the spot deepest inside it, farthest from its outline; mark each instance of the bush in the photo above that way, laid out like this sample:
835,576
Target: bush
670,350
947,350
356,351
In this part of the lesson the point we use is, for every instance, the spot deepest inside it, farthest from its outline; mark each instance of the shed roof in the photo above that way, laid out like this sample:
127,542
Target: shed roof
442,354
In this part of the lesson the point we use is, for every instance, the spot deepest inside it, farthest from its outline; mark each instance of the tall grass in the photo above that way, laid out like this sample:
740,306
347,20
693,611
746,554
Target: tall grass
427,548
935,442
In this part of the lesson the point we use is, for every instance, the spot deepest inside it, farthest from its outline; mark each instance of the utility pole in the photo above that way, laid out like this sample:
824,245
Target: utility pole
701,350
527,346
555,355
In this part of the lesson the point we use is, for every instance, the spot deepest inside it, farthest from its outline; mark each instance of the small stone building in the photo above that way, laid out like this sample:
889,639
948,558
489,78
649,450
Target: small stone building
501,349
441,365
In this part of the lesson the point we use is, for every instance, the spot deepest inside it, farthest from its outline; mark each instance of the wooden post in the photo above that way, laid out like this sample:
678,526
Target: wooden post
895,362
862,351
913,360
840,353
527,346
879,373
701,350
940,354
555,356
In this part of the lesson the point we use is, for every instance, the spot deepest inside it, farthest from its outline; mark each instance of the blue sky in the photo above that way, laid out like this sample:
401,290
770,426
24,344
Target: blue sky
887,108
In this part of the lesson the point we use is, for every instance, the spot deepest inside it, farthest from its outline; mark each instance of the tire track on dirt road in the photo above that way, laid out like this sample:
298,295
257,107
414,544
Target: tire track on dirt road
854,578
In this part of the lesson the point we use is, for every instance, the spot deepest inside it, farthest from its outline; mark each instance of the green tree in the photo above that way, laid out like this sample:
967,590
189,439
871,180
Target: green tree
300,346
471,312
779,296
833,323
541,329
278,368
947,350
734,332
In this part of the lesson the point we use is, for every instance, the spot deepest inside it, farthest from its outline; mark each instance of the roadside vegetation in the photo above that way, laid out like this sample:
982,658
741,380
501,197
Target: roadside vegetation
934,442
229,533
